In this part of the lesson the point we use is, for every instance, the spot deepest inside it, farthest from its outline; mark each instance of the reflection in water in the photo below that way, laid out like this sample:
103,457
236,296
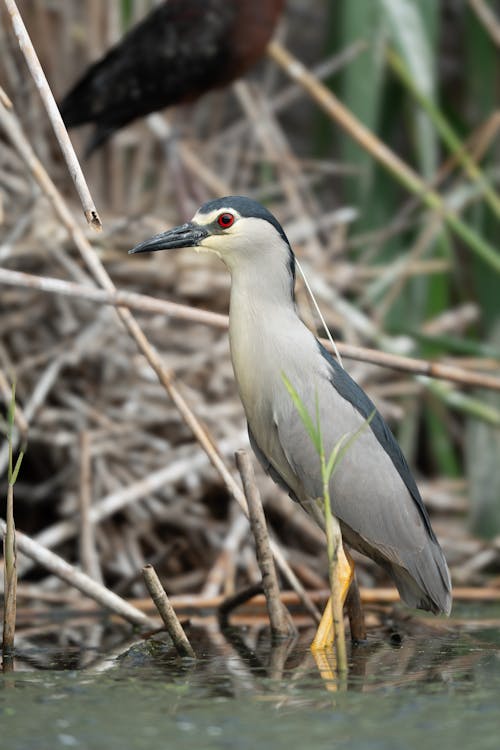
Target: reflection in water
232,660
385,660
406,681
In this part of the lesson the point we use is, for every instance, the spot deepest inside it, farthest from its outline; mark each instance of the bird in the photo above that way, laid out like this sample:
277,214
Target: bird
179,51
373,493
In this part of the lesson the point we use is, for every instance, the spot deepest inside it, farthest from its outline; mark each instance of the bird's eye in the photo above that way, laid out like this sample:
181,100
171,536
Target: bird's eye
225,220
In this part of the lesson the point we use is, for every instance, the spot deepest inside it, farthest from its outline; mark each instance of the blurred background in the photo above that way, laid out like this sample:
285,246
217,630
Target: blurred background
388,273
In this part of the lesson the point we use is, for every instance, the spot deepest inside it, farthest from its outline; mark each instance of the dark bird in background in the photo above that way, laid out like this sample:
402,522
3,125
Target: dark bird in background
182,49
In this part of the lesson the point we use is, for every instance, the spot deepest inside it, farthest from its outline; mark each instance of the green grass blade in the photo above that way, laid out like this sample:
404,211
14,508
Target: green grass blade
312,430
15,472
342,446
335,457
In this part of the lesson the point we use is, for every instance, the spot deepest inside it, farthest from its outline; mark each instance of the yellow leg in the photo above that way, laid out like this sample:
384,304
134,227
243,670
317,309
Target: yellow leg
325,634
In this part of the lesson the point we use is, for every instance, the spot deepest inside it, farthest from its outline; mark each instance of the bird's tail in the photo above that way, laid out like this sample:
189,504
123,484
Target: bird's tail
424,582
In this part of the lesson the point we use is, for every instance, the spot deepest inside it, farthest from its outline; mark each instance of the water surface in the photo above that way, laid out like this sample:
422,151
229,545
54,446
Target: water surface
438,687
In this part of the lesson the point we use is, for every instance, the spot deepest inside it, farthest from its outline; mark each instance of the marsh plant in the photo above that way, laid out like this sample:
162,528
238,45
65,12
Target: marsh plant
328,466
9,543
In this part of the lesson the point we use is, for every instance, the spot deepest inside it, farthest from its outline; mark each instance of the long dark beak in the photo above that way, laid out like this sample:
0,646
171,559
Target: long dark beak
187,235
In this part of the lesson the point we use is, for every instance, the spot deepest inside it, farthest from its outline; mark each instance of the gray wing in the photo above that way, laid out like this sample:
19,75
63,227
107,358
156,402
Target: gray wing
268,468
373,493
351,391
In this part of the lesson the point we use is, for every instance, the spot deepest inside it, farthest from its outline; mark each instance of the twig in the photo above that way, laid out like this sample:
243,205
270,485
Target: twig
55,118
79,580
5,99
10,585
88,555
196,603
148,304
418,366
118,297
9,546
281,623
226,604
167,613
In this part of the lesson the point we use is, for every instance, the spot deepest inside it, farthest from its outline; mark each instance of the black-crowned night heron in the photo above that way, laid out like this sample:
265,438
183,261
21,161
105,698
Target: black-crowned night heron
373,494
179,51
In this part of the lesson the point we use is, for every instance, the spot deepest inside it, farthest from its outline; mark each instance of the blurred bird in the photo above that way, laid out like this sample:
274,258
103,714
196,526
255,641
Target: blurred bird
181,50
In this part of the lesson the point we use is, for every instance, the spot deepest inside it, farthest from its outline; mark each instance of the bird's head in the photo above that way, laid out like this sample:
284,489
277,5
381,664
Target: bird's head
240,231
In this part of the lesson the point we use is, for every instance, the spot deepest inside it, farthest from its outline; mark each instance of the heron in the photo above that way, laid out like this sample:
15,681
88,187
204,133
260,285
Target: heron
178,52
374,496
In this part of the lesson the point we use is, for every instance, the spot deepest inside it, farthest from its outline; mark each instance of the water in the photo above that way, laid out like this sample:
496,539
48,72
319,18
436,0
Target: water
435,689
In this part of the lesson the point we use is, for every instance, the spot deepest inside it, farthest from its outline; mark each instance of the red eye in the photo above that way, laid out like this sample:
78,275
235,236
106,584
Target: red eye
225,220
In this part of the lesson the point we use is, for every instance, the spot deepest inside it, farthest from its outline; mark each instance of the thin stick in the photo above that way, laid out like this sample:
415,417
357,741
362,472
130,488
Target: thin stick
89,558
12,128
55,118
226,604
377,596
9,546
281,623
79,580
167,613
196,603
147,304
418,366
5,99
10,585
118,297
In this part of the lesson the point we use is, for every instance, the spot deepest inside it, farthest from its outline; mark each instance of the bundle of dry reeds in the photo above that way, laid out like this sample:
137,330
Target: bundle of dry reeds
120,420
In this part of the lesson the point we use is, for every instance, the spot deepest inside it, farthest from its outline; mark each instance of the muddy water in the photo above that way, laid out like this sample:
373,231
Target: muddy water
433,689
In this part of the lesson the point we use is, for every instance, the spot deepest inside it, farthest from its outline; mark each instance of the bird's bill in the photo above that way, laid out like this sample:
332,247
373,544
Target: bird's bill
187,235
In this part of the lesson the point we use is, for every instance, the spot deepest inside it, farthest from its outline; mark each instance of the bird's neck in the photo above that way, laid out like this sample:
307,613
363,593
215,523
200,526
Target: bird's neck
257,290
263,324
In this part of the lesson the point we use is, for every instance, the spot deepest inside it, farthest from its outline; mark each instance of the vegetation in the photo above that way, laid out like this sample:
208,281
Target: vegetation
389,274
9,544
425,84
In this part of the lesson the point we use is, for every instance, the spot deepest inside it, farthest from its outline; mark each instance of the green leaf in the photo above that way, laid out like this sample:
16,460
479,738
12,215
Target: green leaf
313,432
342,446
318,429
15,472
362,86
12,407
334,457
409,35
